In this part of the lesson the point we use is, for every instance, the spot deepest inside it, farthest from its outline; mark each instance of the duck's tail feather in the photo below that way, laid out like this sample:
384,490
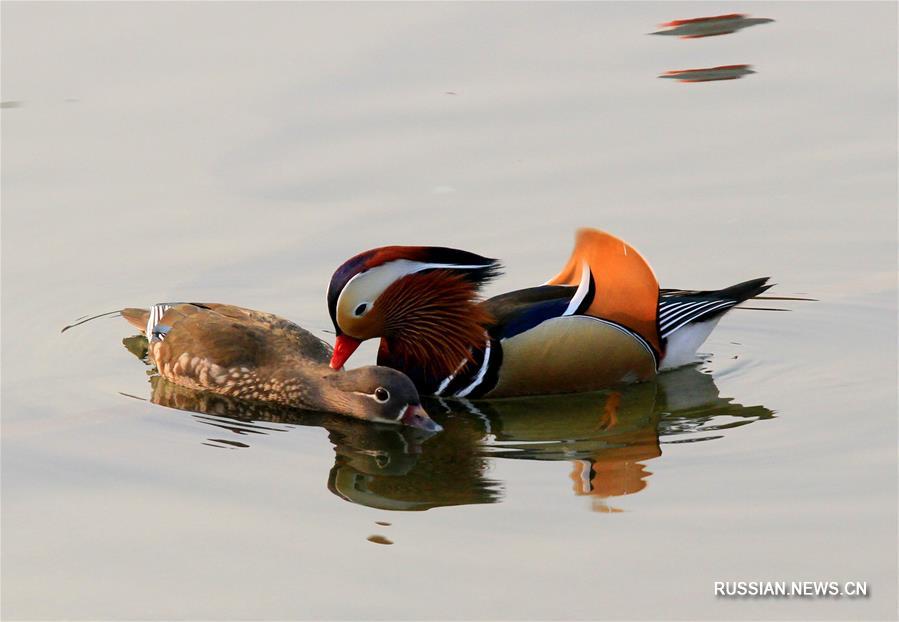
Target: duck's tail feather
687,317
137,317
742,291
746,289
82,320
679,308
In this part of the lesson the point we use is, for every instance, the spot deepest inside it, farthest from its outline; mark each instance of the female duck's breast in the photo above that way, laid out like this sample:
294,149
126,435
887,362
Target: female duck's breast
571,354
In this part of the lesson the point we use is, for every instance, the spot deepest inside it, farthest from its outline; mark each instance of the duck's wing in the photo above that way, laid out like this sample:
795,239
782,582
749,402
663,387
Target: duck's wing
624,288
551,345
518,311
604,278
291,337
189,341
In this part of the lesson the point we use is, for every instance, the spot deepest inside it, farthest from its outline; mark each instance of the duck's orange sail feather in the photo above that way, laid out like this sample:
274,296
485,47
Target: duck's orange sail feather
627,291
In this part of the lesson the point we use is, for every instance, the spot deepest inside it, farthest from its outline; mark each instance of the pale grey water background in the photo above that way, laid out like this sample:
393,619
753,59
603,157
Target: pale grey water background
239,152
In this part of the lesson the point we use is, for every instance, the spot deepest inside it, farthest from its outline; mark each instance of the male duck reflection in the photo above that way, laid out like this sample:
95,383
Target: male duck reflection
259,356
602,321
608,438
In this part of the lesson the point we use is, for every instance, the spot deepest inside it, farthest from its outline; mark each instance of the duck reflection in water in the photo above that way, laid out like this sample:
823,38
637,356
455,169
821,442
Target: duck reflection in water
608,437
377,465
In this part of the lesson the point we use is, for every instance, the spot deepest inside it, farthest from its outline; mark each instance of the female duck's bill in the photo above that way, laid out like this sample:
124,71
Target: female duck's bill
415,416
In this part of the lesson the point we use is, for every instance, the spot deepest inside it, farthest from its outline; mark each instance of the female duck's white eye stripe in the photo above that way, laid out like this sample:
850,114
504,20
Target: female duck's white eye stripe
480,377
370,396
582,290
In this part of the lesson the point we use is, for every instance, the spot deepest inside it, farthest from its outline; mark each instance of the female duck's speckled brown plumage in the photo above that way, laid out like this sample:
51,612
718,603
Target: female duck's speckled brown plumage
255,355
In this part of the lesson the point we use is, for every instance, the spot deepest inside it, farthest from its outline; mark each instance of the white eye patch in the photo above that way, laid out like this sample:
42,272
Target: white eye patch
365,287
381,395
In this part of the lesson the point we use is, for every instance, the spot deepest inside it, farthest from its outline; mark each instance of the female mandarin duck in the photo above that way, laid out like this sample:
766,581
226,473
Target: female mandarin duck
259,356
602,321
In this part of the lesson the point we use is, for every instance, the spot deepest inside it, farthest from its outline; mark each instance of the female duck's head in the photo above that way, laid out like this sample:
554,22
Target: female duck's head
377,394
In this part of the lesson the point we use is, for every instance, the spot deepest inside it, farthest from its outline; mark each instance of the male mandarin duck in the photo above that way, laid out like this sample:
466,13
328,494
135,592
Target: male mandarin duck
254,355
602,321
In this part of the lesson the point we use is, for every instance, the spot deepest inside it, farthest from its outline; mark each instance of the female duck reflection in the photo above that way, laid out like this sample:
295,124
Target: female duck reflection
608,437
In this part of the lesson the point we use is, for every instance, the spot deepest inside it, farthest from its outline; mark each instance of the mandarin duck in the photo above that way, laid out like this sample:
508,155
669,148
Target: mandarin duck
602,321
258,356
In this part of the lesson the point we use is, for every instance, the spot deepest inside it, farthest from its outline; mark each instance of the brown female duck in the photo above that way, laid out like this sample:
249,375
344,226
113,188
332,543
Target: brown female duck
259,356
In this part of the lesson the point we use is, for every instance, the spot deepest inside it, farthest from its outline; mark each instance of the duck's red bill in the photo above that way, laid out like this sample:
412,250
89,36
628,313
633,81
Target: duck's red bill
343,348
416,417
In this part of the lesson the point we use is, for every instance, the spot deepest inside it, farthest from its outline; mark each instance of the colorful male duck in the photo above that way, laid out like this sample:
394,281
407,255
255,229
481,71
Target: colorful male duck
602,321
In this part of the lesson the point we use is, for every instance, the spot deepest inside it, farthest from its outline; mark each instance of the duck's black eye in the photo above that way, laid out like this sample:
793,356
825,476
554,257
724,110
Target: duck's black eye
382,394
361,309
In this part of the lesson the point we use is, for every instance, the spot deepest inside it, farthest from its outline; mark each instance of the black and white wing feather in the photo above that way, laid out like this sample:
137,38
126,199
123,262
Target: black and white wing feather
686,317
678,308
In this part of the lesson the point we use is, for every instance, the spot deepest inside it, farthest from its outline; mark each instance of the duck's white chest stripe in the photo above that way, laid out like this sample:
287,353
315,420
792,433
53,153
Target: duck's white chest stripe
449,378
480,377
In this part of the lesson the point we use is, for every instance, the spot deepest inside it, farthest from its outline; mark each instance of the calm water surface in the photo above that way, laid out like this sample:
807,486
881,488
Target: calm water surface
239,152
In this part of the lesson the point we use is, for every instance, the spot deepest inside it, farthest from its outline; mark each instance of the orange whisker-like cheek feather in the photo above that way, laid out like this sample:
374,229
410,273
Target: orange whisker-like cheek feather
433,320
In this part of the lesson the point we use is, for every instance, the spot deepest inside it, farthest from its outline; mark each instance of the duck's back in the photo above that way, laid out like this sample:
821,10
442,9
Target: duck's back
229,349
